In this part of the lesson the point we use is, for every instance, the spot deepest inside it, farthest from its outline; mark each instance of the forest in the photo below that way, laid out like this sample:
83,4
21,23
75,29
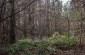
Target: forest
42,27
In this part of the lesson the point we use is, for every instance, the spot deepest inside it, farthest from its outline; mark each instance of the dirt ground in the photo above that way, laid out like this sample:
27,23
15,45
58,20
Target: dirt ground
75,51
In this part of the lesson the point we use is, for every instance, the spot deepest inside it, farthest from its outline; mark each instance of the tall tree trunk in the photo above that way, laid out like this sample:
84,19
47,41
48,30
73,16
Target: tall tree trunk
12,22
3,37
47,17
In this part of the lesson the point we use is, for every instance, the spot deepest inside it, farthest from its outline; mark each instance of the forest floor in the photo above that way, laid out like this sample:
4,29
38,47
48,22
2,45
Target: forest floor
74,51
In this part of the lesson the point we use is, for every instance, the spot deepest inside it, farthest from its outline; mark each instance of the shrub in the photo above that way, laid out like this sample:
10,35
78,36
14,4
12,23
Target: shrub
37,47
63,40
44,46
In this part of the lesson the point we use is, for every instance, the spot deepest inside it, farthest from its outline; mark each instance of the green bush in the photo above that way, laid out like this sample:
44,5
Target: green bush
40,47
63,39
44,46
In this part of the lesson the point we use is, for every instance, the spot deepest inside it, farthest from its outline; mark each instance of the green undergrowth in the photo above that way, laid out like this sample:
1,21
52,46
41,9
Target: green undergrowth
30,47
44,46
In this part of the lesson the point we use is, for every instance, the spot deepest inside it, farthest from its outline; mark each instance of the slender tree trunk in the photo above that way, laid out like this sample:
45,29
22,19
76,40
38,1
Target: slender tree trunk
12,23
47,19
81,23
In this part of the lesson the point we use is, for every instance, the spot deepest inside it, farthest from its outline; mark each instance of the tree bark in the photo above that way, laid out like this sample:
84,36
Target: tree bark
12,23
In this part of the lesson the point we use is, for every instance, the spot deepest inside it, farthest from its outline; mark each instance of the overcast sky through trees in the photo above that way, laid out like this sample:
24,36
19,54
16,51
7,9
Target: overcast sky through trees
65,1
